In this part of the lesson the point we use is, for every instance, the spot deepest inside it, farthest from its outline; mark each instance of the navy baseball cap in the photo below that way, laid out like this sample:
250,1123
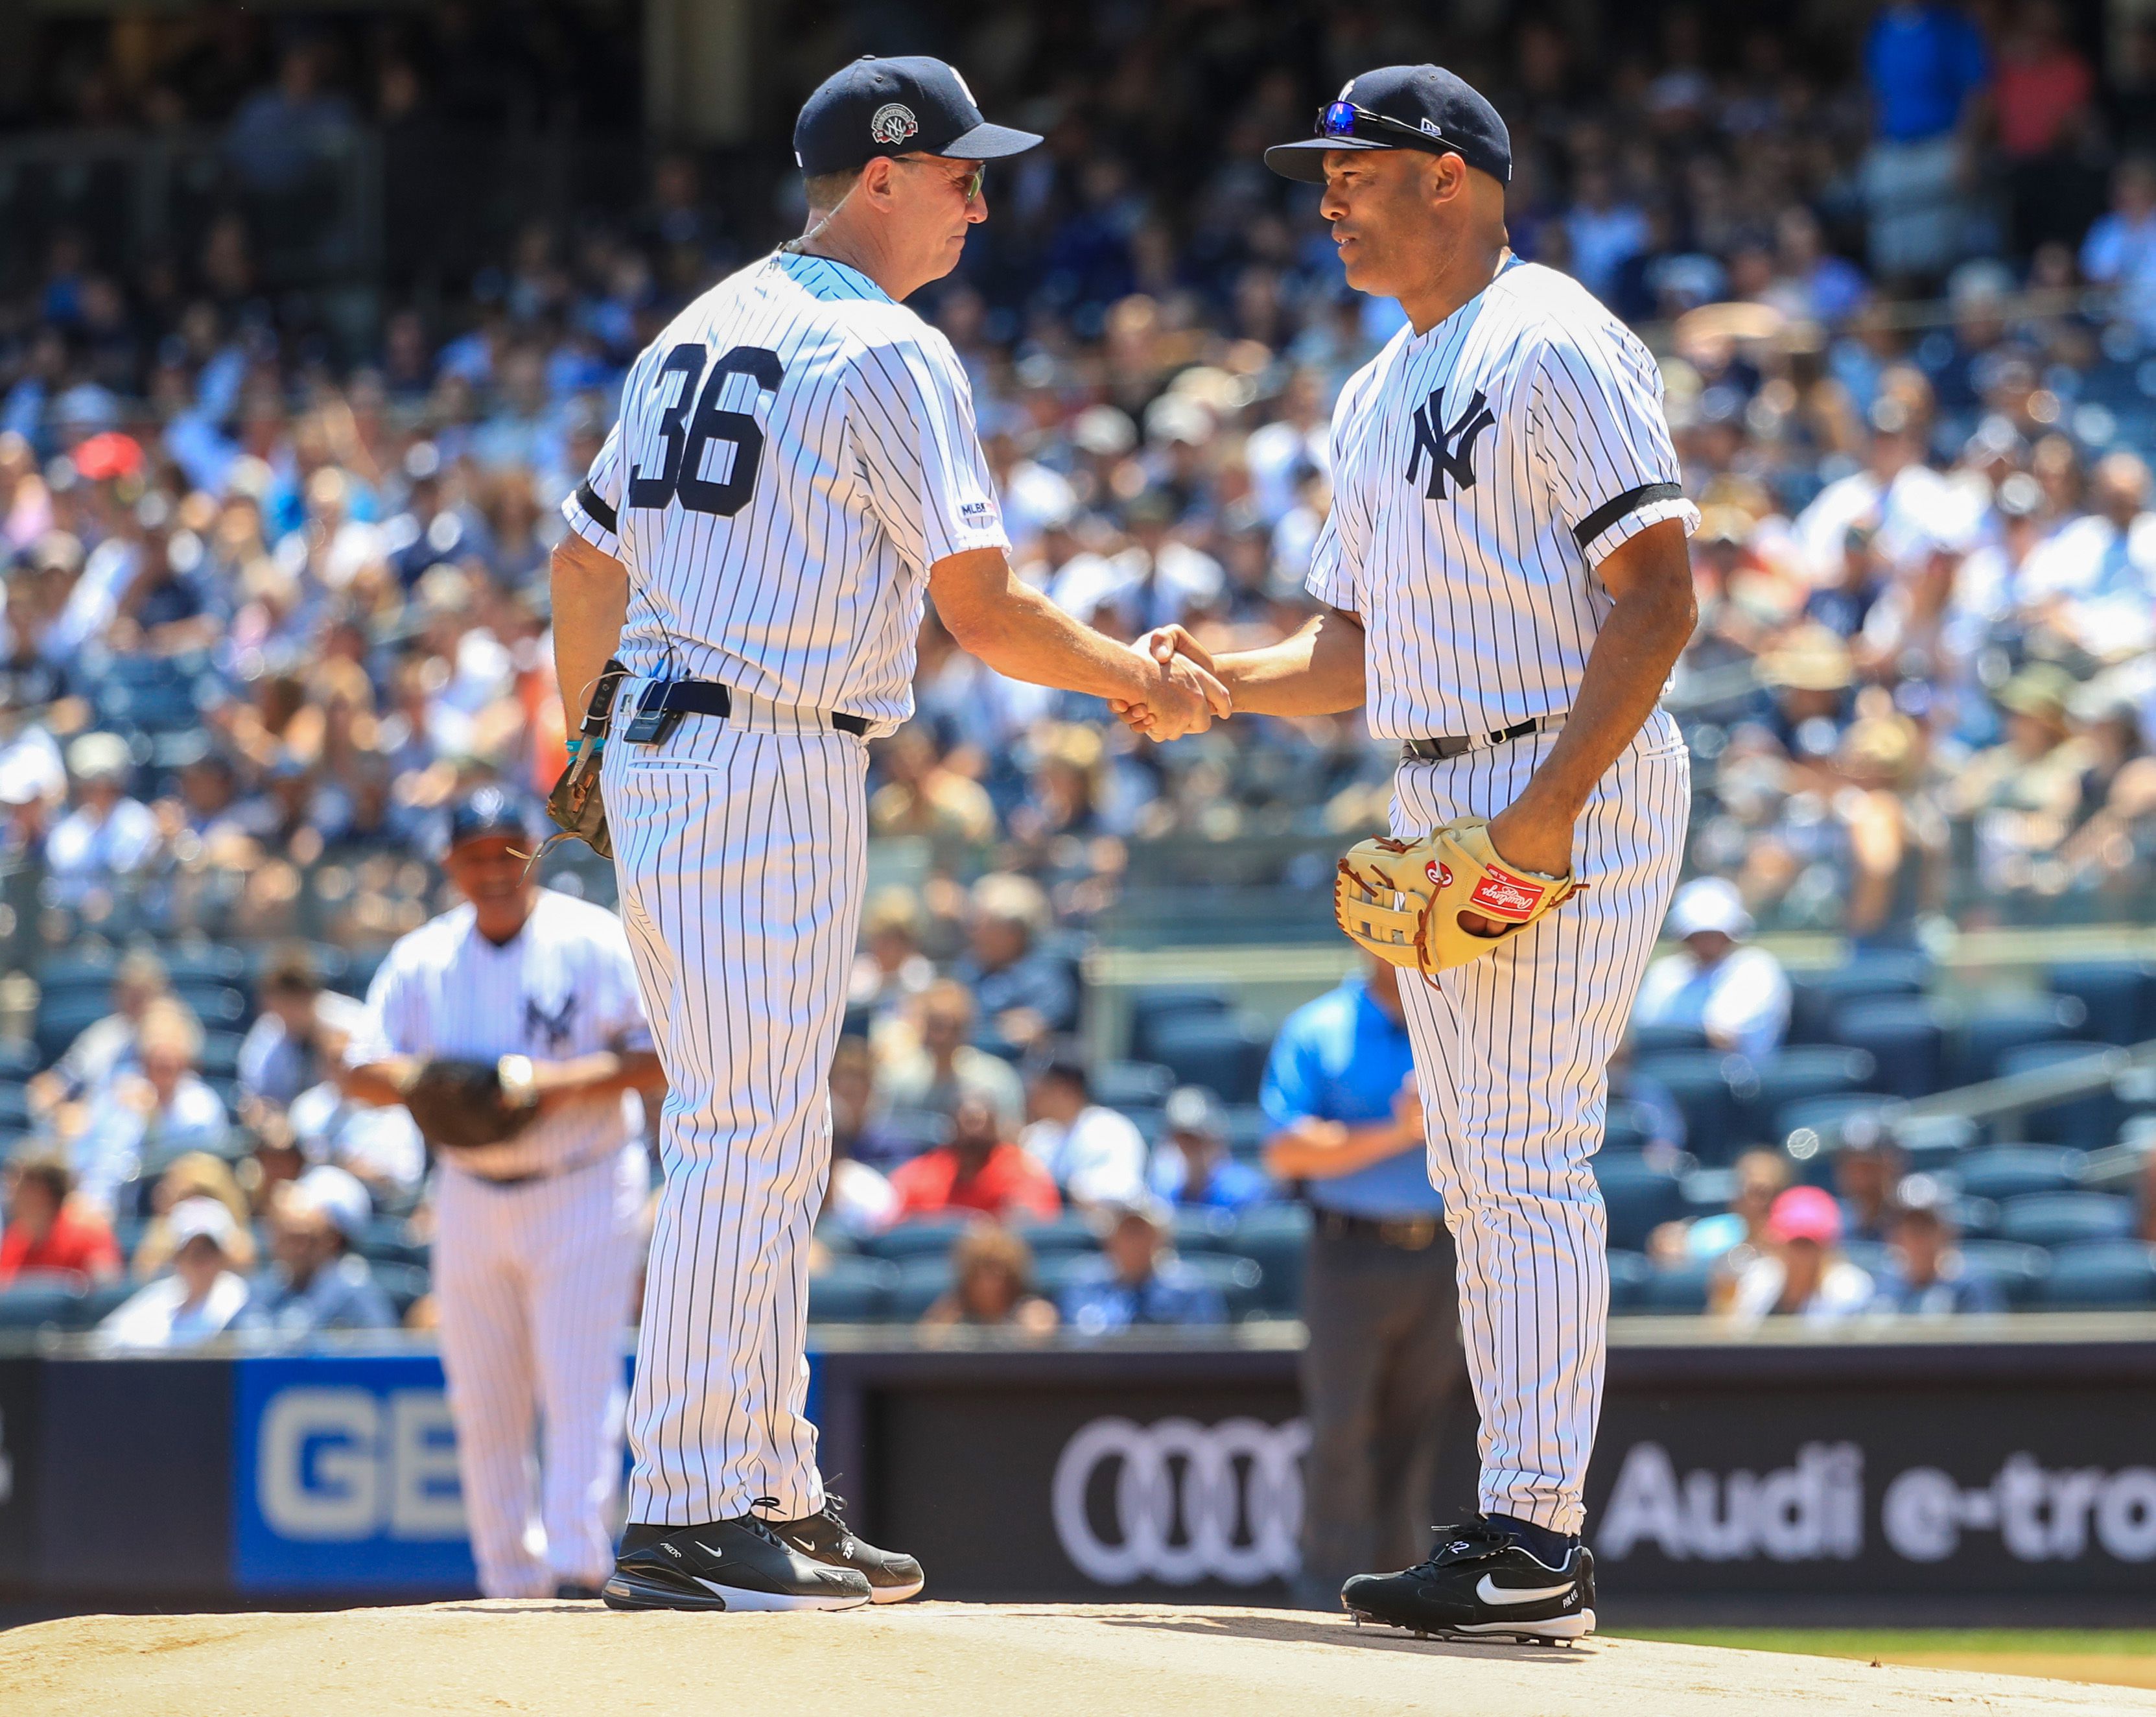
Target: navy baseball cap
484,811
1403,107
909,106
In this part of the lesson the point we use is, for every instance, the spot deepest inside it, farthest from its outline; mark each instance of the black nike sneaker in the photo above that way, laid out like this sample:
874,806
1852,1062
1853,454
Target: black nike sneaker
893,1576
728,1565
1482,1583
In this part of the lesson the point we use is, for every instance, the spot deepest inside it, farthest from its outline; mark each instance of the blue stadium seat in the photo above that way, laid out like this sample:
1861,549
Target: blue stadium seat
2120,996
98,1304
404,1284
61,1018
851,1291
1626,1127
1817,998
1934,1142
1067,1233
1677,1289
220,1054
1150,1009
2019,1270
1629,1273
931,1236
1249,1128
1638,1198
2014,1171
386,1241
1278,1238
59,973
914,1130
1239,1281
1224,1053
920,1283
1990,1029
2103,1274
205,962
1803,1071
1709,1088
1125,1085
218,1006
1906,1037
39,1305
1665,1040
1823,1116
14,1107
2056,1219
1200,1229
2087,1122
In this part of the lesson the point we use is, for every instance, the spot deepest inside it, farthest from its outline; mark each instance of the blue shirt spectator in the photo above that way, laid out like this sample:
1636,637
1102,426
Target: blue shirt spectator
1339,1092
1922,62
1193,1167
317,1282
1136,1281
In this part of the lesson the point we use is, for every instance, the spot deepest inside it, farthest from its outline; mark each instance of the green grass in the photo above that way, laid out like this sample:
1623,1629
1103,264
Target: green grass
1872,1642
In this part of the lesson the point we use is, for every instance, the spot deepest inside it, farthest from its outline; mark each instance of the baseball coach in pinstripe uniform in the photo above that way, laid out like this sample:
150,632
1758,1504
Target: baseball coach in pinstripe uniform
795,470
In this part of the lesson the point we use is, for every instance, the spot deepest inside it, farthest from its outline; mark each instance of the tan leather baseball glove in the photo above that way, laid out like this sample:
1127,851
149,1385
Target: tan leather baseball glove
1402,900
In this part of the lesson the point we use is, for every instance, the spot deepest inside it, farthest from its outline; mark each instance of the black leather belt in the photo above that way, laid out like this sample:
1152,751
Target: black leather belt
1408,1234
1459,745
712,697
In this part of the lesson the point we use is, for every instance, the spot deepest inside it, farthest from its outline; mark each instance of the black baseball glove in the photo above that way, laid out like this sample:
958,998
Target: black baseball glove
458,1104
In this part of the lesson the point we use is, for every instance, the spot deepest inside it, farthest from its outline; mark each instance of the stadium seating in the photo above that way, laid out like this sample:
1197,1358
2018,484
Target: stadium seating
930,1237
1637,1198
1126,1085
1224,1053
2057,1219
2099,1274
26,1303
1817,998
62,1017
14,1109
852,1290
1678,1290
1629,1273
1151,1009
2019,1270
1277,1236
1239,1281
1198,1229
1665,1040
2089,1123
1067,1233
1249,1128
920,1282
1709,1088
1906,1036
404,1284
1800,1071
2016,1171
914,1130
2119,995
1989,1031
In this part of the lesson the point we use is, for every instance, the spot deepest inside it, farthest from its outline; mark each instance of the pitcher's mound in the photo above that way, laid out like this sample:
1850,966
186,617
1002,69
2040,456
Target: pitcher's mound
952,1660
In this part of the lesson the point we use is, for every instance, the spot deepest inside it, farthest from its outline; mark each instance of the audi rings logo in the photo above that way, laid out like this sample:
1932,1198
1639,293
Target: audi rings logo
1179,1502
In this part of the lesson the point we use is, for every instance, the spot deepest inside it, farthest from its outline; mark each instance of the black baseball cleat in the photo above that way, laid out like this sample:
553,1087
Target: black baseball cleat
728,1565
893,1577
1482,1583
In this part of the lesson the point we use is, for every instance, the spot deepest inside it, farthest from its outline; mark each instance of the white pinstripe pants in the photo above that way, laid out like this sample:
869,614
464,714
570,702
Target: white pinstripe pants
532,1283
741,850
1512,1054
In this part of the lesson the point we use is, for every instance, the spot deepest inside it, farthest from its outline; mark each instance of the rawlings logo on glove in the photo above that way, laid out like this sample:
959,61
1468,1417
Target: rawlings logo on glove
1402,900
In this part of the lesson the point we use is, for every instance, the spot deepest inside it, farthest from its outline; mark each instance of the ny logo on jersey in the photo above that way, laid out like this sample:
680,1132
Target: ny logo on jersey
1450,446
554,1027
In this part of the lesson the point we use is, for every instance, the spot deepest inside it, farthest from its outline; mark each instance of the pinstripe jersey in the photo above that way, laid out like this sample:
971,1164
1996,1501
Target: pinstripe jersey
563,986
1481,471
793,453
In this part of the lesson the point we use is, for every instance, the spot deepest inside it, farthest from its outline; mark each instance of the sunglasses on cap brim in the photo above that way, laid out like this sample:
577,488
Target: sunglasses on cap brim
1345,120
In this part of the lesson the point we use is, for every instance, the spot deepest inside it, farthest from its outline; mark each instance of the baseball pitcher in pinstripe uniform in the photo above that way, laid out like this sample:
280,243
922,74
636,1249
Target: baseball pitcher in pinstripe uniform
1507,587
795,468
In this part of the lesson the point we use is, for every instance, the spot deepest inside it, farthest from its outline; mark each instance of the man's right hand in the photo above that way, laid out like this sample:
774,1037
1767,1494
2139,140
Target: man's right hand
1185,697
1181,658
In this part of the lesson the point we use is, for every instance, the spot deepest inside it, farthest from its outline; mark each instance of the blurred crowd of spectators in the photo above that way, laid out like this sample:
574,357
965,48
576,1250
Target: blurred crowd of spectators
272,593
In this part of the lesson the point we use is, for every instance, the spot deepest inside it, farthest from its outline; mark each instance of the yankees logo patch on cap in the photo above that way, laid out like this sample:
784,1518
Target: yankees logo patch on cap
893,123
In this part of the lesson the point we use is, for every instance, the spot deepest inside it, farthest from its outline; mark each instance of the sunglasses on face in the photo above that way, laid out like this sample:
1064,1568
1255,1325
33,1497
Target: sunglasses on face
1344,119
969,187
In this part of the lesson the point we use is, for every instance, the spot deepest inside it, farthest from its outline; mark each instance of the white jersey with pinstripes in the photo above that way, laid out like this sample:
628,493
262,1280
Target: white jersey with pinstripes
793,453
563,986
532,1279
1481,470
